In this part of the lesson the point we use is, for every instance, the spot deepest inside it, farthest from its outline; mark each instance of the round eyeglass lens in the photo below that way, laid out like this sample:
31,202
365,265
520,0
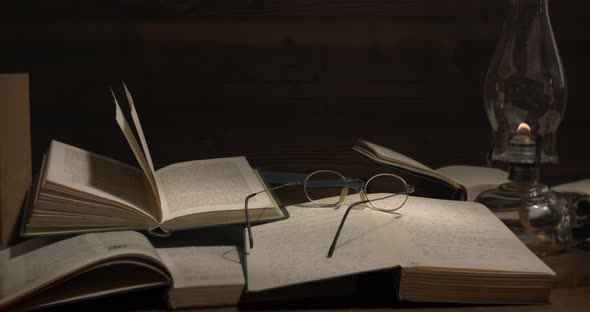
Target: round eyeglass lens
386,192
325,188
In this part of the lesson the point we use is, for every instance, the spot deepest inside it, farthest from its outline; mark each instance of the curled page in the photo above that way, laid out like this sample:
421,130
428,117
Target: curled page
145,164
139,129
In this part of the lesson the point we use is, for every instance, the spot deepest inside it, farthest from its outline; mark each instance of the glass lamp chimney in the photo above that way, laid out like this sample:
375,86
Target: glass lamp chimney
525,83
525,96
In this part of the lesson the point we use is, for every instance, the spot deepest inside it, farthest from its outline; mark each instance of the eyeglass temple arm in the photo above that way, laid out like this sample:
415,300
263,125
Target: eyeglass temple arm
333,246
248,225
248,218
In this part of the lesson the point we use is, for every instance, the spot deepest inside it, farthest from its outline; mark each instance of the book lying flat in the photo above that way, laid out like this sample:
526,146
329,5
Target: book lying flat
44,272
446,251
78,191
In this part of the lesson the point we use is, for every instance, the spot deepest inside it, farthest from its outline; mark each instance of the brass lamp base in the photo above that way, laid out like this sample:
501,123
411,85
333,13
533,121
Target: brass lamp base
539,217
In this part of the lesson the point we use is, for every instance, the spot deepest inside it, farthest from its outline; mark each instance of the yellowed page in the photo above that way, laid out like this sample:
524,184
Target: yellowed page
145,165
139,129
80,170
209,185
460,235
37,263
295,250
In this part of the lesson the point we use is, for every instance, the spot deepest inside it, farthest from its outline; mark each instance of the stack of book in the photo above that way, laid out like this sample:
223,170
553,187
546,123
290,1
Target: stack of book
438,250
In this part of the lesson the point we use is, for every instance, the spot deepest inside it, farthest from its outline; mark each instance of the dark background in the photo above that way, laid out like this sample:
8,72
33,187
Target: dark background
289,84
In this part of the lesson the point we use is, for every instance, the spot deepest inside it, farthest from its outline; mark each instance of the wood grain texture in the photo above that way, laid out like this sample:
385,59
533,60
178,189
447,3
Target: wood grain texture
291,85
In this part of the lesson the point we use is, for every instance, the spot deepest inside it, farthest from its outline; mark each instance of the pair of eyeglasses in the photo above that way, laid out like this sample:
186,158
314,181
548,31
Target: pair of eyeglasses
327,188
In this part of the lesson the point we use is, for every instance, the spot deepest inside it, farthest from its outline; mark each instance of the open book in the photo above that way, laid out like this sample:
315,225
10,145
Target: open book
394,159
446,251
465,182
79,191
44,272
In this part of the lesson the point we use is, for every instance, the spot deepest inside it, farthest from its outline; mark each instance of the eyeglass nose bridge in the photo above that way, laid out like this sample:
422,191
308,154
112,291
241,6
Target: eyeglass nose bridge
355,184
359,186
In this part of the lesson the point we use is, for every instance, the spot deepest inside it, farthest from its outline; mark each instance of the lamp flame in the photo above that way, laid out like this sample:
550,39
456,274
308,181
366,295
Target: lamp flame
523,128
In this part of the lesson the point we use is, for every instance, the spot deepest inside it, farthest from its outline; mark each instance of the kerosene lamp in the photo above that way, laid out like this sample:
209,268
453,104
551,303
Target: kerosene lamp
525,97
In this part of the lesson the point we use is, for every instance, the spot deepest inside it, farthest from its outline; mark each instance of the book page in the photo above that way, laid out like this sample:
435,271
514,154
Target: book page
580,187
203,265
139,128
146,166
36,263
460,235
389,157
99,176
209,185
425,233
117,277
295,250
475,179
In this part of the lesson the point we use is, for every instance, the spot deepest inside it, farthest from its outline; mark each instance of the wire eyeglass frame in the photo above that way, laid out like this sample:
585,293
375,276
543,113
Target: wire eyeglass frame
348,183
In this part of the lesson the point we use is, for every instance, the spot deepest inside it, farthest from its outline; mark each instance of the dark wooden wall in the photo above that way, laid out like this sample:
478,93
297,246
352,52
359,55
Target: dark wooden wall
289,84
